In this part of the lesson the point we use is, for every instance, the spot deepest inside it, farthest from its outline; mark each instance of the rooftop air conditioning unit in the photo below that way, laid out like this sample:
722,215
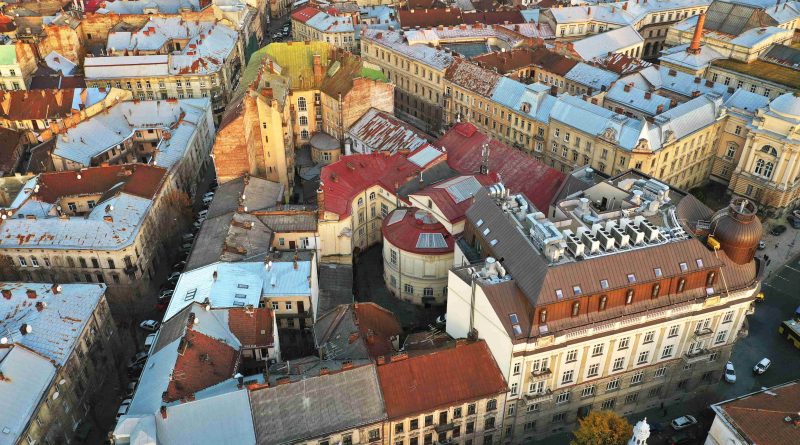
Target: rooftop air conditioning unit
575,246
592,244
622,239
637,237
605,239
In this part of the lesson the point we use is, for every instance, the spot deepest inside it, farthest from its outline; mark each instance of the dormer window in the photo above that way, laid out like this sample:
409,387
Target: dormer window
656,290
559,294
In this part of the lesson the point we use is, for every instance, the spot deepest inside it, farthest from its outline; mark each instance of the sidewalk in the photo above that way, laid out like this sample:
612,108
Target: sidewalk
779,249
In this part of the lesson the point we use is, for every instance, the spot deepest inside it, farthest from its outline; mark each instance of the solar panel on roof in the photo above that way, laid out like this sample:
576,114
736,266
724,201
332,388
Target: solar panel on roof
463,190
396,217
431,241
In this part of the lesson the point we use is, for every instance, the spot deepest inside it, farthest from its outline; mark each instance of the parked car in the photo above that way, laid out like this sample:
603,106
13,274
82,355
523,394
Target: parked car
140,357
83,430
777,230
202,214
762,245
208,195
131,388
681,439
136,371
442,319
794,221
123,408
762,366
149,325
148,342
730,373
179,266
175,276
683,422
166,294
207,201
186,247
187,237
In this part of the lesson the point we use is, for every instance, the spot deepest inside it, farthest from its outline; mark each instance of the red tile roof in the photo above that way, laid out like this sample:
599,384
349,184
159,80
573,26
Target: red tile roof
351,175
253,327
443,378
205,361
21,105
404,234
453,211
760,418
376,326
303,15
620,63
518,171
139,179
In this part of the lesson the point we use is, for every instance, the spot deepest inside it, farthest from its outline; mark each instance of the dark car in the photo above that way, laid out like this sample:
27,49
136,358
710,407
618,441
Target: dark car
681,439
777,230
794,220
136,370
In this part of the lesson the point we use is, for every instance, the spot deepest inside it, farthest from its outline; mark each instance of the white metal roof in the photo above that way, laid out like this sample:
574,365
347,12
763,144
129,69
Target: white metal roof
609,41
27,376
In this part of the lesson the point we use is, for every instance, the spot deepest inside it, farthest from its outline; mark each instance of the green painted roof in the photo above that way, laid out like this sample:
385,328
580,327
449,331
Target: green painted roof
373,74
8,54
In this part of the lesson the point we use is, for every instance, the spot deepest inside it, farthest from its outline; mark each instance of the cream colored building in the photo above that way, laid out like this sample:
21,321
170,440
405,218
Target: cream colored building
769,168
100,225
170,58
417,253
54,385
310,23
416,70
17,64
558,331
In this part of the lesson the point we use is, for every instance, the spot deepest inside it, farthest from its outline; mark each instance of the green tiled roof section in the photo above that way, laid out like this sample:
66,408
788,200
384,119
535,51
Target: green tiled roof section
763,70
8,54
373,74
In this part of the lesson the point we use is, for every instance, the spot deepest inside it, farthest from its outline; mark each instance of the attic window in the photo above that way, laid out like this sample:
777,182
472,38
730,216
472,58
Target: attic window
240,296
486,231
577,290
684,267
493,242
238,303
517,329
559,294
243,286
604,284
190,294
514,318
699,262
631,278
478,223
657,271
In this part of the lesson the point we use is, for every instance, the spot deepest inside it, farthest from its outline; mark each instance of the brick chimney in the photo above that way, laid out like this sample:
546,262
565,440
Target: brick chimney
627,87
6,294
31,293
659,109
694,47
163,412
319,70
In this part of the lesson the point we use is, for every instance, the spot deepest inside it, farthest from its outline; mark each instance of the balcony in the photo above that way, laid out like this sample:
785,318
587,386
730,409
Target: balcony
702,332
444,427
541,374
695,356
543,396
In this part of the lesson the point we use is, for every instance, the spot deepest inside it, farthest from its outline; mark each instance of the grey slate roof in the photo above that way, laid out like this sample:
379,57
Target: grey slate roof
259,194
734,19
317,406
335,286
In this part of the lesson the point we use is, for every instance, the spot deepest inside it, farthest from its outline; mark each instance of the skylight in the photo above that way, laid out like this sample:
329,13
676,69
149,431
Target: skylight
486,231
699,262
657,271
631,278
604,284
559,294
478,223
577,290
684,267
514,318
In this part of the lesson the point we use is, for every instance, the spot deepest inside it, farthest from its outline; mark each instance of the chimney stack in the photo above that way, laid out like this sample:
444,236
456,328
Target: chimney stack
694,47
163,412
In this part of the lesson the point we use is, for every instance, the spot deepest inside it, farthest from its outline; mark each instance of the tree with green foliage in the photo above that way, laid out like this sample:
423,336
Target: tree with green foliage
602,428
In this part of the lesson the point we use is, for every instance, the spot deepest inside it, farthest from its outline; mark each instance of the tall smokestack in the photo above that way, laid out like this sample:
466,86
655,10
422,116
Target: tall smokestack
694,48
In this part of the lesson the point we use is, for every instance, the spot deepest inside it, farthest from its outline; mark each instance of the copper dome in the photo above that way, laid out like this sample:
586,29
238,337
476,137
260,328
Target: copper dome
738,230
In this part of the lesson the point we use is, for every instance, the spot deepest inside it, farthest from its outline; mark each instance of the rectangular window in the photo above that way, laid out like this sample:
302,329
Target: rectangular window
588,391
661,372
667,352
572,356
631,398
607,404
619,363
728,317
673,331
648,337
644,356
597,350
623,343
288,305
563,397
594,369
567,377
637,378
612,385
721,335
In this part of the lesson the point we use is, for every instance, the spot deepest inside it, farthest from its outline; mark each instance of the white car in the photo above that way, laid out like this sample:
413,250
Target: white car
202,214
148,342
123,408
149,325
683,422
730,373
762,366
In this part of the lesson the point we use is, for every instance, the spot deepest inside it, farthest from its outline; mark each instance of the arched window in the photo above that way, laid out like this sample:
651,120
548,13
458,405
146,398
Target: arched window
656,290
304,134
603,301
768,170
543,316
681,284
303,120
360,202
372,196
301,103
731,151
629,297
576,308
769,149
759,167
